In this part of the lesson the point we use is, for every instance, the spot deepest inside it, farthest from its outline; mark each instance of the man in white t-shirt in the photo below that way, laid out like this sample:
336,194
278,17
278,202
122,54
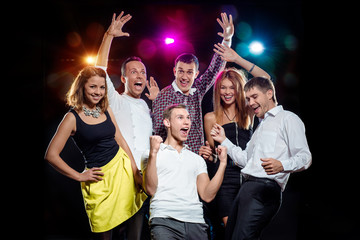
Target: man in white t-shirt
132,114
129,109
175,177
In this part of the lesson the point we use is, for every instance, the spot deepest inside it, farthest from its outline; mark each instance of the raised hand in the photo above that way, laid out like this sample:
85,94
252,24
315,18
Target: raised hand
227,26
226,53
115,28
155,142
222,153
152,88
218,133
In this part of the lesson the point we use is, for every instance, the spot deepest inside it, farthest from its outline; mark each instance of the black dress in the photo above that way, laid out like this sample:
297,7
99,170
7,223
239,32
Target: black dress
231,183
96,141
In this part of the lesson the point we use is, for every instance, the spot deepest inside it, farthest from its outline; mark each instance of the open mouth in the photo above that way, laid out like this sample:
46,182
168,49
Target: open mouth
228,97
96,97
184,83
184,131
138,85
256,109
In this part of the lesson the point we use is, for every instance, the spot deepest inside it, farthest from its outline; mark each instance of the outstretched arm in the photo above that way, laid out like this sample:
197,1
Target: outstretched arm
229,55
114,30
207,79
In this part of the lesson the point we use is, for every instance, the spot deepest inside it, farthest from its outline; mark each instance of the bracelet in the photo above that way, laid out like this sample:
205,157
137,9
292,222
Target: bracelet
251,68
215,157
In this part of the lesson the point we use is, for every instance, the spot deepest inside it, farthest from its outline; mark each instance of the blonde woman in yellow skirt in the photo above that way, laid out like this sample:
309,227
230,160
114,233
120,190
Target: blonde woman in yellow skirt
111,183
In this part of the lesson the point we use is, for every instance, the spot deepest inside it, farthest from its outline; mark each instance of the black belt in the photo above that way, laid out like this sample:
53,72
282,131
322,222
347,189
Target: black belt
257,179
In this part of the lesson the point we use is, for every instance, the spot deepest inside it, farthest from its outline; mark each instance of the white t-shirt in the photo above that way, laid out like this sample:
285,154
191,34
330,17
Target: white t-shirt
176,195
133,118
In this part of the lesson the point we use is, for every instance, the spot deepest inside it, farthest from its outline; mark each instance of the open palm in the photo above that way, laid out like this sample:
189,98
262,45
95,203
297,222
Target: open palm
117,24
227,26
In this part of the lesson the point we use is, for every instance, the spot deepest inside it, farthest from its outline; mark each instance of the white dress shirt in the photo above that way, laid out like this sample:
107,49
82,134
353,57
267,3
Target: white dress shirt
176,194
280,135
133,118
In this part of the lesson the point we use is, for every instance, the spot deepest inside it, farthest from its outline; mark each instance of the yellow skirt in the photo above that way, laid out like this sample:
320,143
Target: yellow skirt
115,199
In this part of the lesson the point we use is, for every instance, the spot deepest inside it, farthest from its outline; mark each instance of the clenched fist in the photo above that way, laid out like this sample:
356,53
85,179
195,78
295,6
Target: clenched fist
155,142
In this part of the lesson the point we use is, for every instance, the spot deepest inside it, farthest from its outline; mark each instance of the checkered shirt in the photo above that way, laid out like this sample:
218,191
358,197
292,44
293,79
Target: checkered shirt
168,96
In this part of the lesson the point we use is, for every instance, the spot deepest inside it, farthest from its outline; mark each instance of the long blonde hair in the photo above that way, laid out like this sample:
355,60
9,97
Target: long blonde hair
75,96
238,79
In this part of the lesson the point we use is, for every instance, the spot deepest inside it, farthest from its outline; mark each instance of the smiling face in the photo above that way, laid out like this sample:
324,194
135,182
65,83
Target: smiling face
260,101
178,125
134,79
94,90
185,74
227,92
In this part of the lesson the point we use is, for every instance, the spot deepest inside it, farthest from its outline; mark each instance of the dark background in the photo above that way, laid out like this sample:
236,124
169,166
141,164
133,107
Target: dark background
52,38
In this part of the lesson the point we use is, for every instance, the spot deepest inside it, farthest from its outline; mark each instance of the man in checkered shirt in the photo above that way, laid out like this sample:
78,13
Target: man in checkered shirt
190,90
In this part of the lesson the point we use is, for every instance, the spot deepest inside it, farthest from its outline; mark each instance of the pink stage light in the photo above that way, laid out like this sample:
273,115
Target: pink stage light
169,40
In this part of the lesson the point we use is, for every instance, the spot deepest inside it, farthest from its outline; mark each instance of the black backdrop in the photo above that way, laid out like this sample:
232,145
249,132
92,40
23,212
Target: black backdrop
319,203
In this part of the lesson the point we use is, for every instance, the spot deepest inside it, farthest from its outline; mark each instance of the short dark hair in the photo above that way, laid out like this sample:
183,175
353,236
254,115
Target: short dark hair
188,58
263,84
168,110
130,59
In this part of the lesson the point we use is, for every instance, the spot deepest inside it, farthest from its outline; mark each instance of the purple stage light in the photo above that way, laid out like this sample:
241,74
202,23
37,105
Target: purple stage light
169,40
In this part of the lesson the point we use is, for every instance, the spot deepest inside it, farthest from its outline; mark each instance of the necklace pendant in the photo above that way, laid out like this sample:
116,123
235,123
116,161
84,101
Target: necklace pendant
94,113
231,120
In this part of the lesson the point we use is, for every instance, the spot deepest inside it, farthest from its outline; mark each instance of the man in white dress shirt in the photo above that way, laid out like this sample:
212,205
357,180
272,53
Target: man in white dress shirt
277,148
131,112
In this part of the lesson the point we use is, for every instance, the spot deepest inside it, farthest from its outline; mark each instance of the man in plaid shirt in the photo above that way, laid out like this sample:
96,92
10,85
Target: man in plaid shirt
190,90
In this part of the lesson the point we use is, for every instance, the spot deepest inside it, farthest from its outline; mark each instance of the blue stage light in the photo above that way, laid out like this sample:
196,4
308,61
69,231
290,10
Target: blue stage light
256,48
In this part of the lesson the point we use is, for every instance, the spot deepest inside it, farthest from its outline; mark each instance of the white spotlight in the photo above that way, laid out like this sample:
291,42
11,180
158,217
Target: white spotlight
90,60
256,48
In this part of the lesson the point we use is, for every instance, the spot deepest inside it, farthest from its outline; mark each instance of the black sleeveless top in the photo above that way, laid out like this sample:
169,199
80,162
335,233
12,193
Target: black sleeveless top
95,141
237,136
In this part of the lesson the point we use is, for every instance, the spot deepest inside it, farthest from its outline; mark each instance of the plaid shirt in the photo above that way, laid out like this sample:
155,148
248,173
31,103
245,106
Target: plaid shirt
168,96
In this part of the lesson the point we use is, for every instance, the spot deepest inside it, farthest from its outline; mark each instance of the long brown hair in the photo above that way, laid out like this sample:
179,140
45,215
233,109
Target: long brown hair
238,79
75,96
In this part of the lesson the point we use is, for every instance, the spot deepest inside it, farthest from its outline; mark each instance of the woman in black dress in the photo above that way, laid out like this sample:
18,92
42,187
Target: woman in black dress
109,182
232,112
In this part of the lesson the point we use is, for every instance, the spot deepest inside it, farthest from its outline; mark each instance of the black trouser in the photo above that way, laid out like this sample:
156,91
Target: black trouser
256,204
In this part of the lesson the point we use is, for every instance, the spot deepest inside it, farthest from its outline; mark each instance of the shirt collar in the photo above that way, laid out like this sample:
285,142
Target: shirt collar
274,111
177,89
132,99
164,146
